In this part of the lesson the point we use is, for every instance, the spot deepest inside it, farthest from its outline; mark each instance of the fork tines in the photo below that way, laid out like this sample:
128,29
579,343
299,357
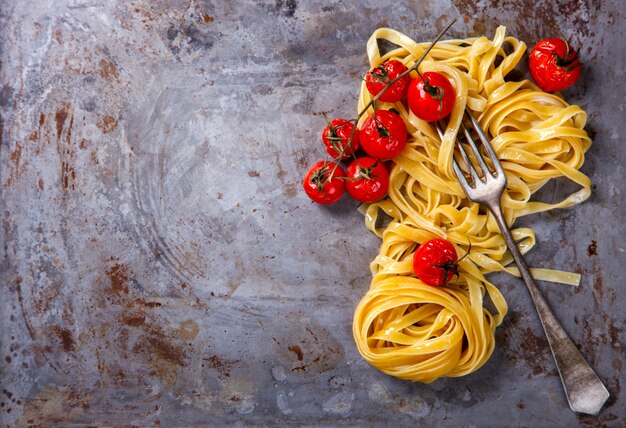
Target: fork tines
468,169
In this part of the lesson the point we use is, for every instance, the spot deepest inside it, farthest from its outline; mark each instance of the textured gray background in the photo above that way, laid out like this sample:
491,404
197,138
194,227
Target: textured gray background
160,265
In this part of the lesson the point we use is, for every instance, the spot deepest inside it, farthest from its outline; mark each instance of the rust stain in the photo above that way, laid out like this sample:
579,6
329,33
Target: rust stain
58,36
148,16
312,333
94,157
441,21
602,421
298,351
39,351
281,172
134,320
53,405
108,71
614,333
166,351
207,18
66,152
139,333
18,165
221,365
522,345
598,286
290,190
254,173
107,124
592,249
160,352
37,135
151,304
188,330
44,299
602,330
300,159
65,337
60,117
479,26
591,342
100,362
40,184
118,275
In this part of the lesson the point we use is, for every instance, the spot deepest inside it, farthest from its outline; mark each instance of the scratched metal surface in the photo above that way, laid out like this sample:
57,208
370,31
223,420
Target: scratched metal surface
161,267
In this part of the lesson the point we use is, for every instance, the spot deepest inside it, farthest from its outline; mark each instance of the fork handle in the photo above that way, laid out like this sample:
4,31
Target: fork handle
583,388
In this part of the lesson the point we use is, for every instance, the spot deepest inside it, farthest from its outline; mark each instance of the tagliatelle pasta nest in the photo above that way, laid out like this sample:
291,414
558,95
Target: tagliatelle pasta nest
418,332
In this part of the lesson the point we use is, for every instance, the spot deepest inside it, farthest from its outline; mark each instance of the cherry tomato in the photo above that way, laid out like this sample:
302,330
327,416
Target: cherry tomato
554,65
435,262
378,77
383,134
367,179
319,188
432,98
335,136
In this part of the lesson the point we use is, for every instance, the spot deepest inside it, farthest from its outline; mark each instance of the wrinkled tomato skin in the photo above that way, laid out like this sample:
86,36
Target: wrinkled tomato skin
424,105
332,191
364,189
431,254
376,84
342,129
545,69
381,146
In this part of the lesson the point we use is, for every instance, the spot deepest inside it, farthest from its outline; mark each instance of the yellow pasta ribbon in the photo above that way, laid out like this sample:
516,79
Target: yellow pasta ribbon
418,332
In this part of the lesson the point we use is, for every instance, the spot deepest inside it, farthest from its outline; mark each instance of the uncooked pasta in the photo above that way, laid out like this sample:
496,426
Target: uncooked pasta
409,329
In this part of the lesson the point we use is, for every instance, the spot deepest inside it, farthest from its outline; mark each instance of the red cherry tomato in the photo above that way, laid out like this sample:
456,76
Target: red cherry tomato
335,136
432,100
367,179
378,77
319,188
383,134
554,65
435,262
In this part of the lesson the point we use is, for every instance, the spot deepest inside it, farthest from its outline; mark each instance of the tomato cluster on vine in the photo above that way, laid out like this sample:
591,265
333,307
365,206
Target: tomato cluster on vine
381,137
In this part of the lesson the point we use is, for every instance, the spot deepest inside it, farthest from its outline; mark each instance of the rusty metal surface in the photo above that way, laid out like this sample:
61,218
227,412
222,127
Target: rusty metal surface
160,266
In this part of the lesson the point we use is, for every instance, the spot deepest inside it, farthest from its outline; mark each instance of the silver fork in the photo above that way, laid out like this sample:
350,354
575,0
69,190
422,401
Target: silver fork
583,388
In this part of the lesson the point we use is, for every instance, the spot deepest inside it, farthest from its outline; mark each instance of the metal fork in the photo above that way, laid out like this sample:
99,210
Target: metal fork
583,388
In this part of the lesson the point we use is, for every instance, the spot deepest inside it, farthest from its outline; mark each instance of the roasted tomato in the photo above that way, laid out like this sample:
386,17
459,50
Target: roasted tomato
378,77
320,186
335,137
431,96
554,65
367,179
435,262
383,134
